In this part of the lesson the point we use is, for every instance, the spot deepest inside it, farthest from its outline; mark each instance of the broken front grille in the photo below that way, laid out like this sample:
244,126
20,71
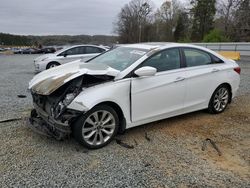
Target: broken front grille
42,102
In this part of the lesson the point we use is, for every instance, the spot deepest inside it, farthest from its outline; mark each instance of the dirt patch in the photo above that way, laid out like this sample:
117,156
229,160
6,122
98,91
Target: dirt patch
230,130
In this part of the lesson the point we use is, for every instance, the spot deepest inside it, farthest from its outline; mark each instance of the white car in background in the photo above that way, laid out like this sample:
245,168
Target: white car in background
129,86
84,52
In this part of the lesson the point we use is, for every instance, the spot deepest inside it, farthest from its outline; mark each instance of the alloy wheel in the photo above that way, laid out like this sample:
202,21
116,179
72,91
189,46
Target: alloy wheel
221,99
98,127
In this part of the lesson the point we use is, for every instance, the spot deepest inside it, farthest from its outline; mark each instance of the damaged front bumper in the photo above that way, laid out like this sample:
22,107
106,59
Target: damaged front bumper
53,94
44,124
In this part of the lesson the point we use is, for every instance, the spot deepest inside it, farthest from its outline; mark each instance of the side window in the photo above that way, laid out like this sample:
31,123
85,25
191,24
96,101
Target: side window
92,50
81,50
217,60
101,50
74,51
196,57
165,60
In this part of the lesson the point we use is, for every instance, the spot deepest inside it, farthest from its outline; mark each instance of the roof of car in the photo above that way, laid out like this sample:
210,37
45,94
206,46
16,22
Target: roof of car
162,45
148,45
86,45
153,45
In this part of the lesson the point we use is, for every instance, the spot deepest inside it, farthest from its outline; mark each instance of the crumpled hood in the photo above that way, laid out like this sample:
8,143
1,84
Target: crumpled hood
48,81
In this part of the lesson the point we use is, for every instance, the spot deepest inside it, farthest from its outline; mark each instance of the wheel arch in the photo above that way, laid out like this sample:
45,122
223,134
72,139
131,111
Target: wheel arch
47,66
229,87
118,110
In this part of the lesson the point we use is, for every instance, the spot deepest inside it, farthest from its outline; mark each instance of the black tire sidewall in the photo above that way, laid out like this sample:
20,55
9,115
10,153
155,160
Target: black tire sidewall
52,63
77,126
211,108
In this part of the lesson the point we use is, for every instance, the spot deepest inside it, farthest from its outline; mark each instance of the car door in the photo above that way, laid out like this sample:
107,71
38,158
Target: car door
161,95
202,76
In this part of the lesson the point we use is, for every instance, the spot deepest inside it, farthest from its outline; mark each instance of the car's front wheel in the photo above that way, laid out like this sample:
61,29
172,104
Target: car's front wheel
97,127
52,64
219,99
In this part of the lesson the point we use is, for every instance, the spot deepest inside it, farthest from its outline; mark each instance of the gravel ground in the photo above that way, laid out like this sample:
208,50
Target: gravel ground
15,73
165,154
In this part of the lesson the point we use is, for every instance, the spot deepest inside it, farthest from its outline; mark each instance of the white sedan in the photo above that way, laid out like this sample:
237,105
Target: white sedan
129,86
84,52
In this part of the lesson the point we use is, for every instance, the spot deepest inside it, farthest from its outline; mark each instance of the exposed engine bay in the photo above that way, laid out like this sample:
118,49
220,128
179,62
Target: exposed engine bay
50,115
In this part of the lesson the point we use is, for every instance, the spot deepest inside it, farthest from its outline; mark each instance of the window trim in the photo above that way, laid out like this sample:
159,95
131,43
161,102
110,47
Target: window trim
105,51
214,62
131,74
101,50
203,51
62,53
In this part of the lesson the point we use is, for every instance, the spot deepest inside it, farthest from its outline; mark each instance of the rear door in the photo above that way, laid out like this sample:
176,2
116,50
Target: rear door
160,95
203,75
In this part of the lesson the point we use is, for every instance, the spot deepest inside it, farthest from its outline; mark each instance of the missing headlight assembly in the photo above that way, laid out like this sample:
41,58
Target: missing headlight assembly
50,115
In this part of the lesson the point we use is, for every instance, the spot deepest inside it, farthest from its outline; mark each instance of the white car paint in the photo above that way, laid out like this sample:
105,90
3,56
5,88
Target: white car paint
150,98
42,61
167,91
146,71
73,69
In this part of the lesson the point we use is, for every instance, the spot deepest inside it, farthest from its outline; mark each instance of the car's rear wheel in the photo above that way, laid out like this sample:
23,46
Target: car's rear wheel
219,99
97,127
52,64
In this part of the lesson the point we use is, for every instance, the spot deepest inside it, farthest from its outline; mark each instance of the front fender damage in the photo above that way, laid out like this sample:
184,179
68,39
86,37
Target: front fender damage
50,115
49,85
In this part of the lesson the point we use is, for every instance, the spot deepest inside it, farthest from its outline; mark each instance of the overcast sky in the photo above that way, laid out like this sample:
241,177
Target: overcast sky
46,17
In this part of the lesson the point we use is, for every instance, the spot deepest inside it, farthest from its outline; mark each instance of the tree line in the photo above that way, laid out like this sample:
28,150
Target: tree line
138,21
8,39
198,21
19,40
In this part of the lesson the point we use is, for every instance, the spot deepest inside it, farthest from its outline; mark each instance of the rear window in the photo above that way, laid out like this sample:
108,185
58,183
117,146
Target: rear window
196,57
92,50
217,60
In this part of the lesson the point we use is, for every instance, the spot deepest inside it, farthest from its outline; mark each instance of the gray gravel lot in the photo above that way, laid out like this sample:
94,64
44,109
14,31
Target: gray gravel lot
15,73
170,157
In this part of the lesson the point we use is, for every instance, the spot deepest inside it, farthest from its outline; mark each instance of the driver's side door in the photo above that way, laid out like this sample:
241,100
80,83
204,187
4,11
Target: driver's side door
162,95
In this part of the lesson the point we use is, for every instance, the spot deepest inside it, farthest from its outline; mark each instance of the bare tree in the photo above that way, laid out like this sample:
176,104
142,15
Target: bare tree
166,18
132,20
226,9
242,21
138,23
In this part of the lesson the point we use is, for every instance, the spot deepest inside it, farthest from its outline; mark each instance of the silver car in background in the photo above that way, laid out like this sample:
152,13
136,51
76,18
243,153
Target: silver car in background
84,52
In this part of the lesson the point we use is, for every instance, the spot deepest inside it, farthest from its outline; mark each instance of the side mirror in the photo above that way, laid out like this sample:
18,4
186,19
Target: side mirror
65,55
146,71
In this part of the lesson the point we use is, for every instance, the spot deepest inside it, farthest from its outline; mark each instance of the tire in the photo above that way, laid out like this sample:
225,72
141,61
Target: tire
219,99
52,64
97,127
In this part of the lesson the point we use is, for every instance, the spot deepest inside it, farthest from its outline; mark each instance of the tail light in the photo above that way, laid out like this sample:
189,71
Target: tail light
237,69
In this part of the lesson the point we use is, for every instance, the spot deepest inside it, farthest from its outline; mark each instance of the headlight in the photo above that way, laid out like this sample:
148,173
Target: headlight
69,98
59,109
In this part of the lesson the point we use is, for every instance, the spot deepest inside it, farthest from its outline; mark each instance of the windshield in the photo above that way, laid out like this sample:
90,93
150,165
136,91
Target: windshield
119,58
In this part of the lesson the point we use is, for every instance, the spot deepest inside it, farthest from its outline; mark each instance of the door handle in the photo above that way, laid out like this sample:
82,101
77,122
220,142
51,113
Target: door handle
215,70
178,79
